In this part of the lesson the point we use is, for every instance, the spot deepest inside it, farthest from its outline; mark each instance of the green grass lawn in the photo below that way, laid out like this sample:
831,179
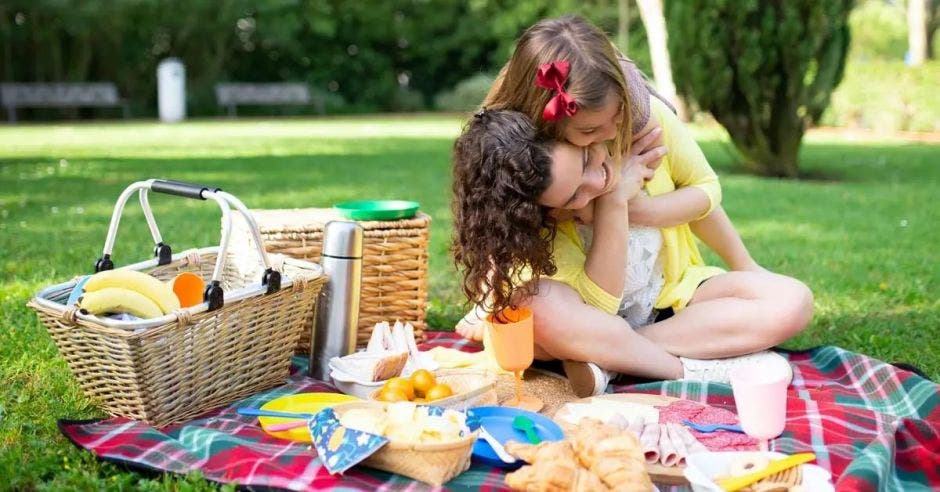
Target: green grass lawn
863,234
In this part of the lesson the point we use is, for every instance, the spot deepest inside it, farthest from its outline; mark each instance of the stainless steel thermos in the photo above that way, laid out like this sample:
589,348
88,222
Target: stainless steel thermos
334,332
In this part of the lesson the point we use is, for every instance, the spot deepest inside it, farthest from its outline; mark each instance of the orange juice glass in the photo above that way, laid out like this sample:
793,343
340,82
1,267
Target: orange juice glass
513,342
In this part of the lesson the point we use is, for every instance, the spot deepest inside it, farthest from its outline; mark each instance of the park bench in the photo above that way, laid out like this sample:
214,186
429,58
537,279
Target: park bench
231,95
59,95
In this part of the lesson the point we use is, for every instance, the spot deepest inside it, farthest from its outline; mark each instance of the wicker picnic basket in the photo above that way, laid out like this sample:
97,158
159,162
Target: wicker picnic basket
433,464
172,368
394,261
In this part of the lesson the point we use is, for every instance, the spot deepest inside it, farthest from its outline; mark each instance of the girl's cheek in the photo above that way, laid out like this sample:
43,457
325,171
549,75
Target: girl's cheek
578,139
610,134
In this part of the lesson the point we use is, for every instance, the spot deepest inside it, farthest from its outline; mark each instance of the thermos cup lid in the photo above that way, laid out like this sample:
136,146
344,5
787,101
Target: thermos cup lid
342,239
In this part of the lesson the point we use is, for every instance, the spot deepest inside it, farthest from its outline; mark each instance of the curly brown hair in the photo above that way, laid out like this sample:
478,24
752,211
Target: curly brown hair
502,236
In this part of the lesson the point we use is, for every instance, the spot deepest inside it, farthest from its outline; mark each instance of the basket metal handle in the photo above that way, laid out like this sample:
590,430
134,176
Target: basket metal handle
181,188
213,294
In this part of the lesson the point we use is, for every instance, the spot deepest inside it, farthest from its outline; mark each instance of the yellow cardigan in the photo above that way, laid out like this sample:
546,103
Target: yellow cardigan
683,267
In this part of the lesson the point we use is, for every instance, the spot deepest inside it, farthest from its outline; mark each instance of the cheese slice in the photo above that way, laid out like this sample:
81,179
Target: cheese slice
371,420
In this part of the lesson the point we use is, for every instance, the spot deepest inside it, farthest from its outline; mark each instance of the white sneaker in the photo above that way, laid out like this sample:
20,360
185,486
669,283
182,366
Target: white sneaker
586,378
719,370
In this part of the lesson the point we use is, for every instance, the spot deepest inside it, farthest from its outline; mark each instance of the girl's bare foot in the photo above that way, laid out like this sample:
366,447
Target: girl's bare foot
471,326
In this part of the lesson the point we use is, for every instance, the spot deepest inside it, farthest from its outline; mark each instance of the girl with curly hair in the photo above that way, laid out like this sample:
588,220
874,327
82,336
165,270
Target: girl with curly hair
687,319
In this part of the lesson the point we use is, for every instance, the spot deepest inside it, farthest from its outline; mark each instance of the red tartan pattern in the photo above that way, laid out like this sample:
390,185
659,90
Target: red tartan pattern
874,426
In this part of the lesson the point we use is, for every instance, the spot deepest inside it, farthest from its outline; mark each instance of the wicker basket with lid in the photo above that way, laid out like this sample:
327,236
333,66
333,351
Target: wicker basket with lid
394,261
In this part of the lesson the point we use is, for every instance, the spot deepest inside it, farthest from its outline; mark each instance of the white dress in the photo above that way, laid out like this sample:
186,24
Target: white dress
644,273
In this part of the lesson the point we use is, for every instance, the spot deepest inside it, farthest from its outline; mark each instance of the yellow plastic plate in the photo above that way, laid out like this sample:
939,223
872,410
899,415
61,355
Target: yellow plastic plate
299,403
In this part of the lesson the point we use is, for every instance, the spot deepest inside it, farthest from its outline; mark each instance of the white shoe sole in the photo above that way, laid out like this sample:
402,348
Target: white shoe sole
584,380
721,368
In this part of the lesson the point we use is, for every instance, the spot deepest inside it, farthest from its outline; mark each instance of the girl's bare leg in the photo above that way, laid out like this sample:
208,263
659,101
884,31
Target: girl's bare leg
567,328
735,313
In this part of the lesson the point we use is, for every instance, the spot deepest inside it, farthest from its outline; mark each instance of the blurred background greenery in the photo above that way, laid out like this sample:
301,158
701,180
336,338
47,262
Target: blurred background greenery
401,56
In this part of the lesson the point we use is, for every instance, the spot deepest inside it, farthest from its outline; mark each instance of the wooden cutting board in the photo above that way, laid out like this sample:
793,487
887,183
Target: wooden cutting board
668,475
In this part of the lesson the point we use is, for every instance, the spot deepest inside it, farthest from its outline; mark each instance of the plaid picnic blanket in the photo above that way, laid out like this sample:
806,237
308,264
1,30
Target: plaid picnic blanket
873,425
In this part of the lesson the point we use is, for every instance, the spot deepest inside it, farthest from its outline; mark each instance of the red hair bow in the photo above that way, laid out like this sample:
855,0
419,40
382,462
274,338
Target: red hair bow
552,76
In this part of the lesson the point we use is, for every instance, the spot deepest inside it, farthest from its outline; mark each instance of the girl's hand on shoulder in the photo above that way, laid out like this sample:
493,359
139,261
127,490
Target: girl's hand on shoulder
632,178
639,165
647,147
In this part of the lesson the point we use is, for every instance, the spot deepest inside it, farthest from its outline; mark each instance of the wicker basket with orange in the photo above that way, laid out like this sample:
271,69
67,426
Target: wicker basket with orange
456,389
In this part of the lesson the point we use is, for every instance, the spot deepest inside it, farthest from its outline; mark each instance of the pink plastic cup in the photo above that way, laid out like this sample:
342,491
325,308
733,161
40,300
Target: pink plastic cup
760,394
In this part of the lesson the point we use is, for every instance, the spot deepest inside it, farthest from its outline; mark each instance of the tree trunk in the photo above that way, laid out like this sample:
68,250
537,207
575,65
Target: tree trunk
781,161
771,151
916,31
651,11
623,26
933,22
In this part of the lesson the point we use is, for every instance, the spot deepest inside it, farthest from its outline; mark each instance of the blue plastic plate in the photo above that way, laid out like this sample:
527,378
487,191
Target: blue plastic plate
498,422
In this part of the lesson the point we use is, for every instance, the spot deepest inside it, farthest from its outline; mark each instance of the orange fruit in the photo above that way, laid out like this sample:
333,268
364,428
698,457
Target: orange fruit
439,391
401,384
422,380
188,288
392,395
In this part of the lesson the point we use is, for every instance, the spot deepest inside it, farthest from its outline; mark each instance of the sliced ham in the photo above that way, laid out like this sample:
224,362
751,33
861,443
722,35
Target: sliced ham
649,442
620,421
680,410
636,426
691,443
675,437
668,455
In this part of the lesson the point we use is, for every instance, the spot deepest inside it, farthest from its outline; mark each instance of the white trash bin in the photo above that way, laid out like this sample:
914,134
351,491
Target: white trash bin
171,90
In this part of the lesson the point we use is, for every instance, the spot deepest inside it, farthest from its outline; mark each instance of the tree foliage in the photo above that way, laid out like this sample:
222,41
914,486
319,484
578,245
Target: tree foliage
765,69
372,56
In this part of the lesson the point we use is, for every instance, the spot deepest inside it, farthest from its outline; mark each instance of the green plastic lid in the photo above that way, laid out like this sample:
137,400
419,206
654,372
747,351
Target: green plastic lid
378,209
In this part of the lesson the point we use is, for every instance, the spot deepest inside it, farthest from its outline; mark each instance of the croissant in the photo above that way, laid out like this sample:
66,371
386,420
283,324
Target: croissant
613,454
553,469
543,451
595,456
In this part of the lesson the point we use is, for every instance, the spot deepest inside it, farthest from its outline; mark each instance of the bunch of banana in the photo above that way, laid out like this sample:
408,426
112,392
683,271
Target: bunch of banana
127,291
